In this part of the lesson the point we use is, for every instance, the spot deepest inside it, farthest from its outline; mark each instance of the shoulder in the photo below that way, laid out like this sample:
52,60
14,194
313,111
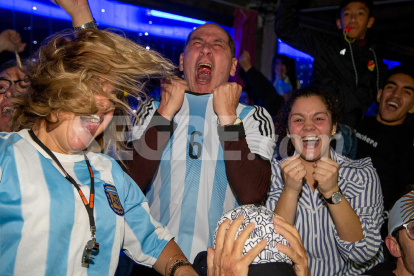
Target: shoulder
257,117
360,166
146,110
15,140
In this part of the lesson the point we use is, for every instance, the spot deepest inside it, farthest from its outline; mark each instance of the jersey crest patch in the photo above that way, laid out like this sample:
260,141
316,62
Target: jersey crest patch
113,199
371,65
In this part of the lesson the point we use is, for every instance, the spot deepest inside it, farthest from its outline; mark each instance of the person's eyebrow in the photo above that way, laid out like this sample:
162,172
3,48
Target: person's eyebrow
394,83
4,78
322,112
316,114
196,38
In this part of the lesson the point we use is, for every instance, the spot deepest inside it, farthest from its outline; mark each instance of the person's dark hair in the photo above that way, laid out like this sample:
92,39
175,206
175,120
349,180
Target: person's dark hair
405,68
368,3
282,119
232,45
290,68
8,64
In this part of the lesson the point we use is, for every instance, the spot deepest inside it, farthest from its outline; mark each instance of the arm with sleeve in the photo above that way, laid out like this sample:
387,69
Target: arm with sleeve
264,89
248,147
369,206
149,136
145,238
288,29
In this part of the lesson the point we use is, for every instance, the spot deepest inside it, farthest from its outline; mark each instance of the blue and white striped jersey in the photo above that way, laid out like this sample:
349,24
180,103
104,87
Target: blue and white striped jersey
328,254
44,225
190,190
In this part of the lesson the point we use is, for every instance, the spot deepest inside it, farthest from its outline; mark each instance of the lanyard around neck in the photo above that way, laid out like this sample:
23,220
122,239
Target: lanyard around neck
88,206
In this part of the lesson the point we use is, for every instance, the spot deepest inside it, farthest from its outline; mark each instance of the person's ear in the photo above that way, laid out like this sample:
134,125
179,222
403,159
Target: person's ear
393,246
371,21
334,129
411,111
379,95
233,67
287,132
181,64
338,23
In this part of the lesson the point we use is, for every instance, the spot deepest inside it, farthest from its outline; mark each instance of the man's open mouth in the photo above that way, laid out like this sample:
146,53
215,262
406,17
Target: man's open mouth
392,105
203,73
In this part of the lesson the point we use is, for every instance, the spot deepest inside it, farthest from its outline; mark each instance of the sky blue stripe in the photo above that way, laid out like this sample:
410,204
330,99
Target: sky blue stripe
218,195
197,109
62,213
246,110
165,174
11,220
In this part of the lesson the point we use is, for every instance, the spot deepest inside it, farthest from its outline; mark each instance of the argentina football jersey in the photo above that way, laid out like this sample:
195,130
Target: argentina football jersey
190,190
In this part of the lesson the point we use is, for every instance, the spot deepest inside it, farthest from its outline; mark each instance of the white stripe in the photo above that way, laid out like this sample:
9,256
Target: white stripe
78,239
32,256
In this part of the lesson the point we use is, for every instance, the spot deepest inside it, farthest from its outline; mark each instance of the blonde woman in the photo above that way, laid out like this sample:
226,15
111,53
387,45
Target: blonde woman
65,210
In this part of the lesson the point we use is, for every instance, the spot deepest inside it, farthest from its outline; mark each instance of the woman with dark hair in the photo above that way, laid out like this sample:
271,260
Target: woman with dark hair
335,203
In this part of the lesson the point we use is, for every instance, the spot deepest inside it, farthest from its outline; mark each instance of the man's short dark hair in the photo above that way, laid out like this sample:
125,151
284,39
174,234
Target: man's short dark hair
232,45
405,68
8,64
368,3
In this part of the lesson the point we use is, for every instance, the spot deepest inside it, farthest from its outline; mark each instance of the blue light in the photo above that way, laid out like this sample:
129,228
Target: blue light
285,49
117,15
175,17
391,63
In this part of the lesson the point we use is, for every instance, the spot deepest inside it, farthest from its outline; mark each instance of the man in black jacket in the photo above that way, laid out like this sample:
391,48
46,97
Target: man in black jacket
347,66
387,138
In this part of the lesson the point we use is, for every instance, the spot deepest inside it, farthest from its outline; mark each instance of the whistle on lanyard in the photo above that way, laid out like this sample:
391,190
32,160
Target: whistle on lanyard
91,250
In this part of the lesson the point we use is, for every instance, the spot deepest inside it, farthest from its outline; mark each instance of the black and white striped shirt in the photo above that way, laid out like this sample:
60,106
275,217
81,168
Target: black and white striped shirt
328,254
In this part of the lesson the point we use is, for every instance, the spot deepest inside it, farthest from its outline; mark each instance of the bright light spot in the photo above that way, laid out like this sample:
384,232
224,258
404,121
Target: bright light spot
34,8
194,28
103,10
148,47
301,81
150,22
146,33
34,42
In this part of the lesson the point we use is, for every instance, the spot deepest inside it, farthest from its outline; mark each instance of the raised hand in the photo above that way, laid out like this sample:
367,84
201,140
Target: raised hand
11,41
326,174
228,257
225,100
78,9
244,61
293,172
296,252
172,96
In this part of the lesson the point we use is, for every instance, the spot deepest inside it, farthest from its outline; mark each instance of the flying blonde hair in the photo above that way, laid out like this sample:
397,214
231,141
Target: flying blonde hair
71,67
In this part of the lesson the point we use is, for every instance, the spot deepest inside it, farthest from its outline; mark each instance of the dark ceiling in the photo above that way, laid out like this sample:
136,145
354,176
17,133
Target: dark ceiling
393,27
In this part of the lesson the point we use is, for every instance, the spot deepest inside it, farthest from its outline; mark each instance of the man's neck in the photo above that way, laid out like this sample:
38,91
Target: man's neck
393,123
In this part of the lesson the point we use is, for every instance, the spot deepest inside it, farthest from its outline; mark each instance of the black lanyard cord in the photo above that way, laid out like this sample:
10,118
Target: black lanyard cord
89,206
